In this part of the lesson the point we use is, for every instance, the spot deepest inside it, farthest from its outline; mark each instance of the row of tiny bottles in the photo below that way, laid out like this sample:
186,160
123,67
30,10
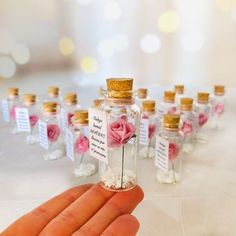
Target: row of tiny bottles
136,126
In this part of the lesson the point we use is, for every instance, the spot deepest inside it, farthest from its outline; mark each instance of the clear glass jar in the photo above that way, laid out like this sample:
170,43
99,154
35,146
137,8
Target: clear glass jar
218,106
171,133
187,124
202,110
142,95
84,164
123,136
149,124
56,146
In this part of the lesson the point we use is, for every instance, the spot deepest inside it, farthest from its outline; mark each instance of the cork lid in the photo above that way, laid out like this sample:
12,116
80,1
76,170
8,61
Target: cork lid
179,89
29,99
203,97
81,117
169,96
97,103
50,107
171,121
149,106
142,93
70,98
53,91
186,104
13,92
219,90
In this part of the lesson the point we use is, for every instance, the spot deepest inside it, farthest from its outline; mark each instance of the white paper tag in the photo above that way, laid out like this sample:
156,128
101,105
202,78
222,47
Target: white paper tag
5,111
22,119
143,133
69,145
63,119
43,134
162,154
98,135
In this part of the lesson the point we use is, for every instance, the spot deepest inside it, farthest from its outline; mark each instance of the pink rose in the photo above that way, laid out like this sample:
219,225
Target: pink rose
173,151
202,119
33,120
151,130
172,110
219,109
120,132
53,132
69,118
81,144
187,127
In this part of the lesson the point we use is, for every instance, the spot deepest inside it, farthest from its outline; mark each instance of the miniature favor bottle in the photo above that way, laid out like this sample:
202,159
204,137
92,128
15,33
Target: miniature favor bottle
218,106
187,123
149,124
202,109
169,151
142,95
84,164
179,93
50,132
33,112
123,135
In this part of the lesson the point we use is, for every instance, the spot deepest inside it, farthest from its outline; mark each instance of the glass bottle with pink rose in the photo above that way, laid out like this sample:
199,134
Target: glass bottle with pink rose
30,104
149,124
187,123
13,101
179,93
142,95
202,109
123,135
171,152
218,106
56,147
84,164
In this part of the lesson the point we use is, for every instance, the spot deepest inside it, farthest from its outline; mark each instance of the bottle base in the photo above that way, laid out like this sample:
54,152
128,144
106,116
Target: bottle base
84,170
57,154
171,177
147,153
187,148
32,139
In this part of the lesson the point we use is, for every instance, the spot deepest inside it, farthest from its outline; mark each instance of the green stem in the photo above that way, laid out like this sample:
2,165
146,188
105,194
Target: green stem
122,168
81,159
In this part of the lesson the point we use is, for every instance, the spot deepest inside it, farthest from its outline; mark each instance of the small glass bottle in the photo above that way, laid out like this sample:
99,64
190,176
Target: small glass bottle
123,135
142,95
172,138
187,124
56,147
84,164
202,110
149,124
13,101
30,104
218,106
179,93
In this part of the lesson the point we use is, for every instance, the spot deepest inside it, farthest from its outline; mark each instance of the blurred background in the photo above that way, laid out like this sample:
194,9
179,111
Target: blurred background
85,41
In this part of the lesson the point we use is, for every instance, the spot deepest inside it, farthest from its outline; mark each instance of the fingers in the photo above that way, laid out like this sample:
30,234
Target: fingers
32,223
125,225
78,213
121,203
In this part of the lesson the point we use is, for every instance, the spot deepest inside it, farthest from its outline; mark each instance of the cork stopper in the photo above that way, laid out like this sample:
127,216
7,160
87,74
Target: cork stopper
142,93
179,89
219,90
203,97
97,103
29,99
53,91
81,117
50,107
149,106
171,121
120,88
70,98
13,92
169,96
186,104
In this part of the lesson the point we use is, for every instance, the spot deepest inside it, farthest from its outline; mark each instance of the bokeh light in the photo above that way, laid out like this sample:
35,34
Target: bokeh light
169,22
192,41
121,42
106,48
7,67
6,42
66,46
112,11
21,54
89,65
83,2
150,43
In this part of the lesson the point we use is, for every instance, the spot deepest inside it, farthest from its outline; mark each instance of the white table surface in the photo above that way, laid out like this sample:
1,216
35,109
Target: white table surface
202,204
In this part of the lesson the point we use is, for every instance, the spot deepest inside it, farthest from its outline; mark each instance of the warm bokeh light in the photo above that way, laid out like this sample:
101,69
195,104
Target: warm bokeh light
66,46
192,41
7,67
169,22
150,43
112,11
6,42
89,65
21,54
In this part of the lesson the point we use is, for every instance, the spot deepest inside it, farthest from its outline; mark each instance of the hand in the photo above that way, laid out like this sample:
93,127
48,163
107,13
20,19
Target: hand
86,210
